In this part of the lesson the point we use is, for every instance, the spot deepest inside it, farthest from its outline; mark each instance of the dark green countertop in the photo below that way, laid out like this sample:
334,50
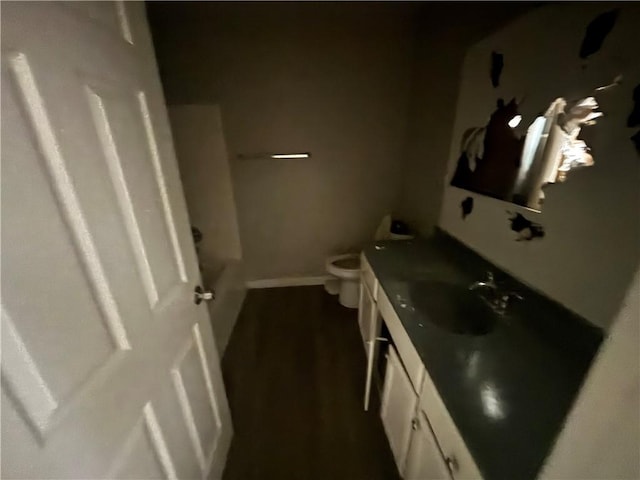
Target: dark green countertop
508,391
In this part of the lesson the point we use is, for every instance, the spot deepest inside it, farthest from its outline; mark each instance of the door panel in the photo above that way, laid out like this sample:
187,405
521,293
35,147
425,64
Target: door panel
140,190
65,257
109,15
109,370
199,406
143,453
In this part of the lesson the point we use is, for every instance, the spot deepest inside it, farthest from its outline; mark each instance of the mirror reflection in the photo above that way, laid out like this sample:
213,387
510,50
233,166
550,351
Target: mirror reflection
497,162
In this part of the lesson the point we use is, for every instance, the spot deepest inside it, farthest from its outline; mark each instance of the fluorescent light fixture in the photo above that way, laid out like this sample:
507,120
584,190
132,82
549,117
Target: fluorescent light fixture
278,156
515,121
290,155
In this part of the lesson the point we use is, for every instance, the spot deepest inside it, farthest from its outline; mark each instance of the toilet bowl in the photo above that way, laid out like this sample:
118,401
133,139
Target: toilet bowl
346,270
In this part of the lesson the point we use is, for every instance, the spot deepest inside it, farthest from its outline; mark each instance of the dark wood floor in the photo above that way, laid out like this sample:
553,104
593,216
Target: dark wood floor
294,371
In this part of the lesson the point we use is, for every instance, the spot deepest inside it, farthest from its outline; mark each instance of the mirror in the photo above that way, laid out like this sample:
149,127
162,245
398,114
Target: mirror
498,162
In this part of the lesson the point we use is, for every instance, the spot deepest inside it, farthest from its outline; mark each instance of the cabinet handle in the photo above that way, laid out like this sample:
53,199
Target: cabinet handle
452,463
414,424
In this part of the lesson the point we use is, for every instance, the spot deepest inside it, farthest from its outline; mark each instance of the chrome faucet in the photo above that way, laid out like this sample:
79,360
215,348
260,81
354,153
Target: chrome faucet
489,283
498,299
502,303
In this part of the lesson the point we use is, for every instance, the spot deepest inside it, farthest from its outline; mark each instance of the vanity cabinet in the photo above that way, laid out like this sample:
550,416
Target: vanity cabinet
398,406
422,435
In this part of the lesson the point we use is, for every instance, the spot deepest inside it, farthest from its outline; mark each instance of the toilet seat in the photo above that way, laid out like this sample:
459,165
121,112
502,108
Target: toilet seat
345,266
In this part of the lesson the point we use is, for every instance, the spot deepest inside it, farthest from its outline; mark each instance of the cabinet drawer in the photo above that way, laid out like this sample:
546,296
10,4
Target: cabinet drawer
406,351
367,277
454,450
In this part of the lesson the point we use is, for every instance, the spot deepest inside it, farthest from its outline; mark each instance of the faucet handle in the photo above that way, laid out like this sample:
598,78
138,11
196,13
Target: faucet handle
509,295
505,300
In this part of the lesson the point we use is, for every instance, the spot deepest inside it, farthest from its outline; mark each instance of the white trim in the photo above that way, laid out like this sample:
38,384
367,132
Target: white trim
288,282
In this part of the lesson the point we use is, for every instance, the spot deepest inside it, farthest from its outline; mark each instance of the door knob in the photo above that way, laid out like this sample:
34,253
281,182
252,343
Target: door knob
199,295
452,463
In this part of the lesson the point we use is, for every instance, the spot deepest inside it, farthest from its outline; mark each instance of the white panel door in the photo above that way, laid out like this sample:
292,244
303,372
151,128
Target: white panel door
109,369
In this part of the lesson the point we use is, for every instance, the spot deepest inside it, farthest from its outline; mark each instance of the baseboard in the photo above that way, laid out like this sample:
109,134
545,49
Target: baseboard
287,282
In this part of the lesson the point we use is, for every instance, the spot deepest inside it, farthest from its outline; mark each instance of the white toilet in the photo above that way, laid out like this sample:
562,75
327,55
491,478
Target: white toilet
346,270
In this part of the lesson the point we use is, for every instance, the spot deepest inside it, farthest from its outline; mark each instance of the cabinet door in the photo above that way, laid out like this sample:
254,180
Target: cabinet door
367,313
370,322
398,407
454,450
424,458
373,352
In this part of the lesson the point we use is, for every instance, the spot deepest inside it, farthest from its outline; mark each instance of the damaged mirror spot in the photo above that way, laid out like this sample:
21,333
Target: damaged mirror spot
497,161
467,207
525,229
597,32
635,139
634,117
497,64
490,155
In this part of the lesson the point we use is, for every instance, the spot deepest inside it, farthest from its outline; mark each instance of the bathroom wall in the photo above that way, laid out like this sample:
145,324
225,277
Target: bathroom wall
329,78
592,221
441,41
206,178
594,445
